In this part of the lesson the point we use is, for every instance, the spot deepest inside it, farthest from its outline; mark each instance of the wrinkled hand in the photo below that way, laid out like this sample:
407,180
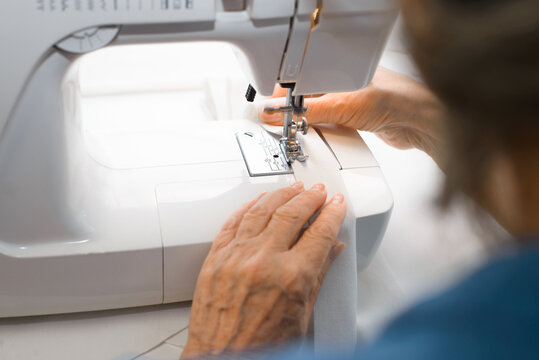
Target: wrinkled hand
259,282
401,111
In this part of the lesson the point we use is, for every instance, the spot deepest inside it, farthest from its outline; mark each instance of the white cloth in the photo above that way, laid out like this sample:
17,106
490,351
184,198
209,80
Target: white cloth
335,309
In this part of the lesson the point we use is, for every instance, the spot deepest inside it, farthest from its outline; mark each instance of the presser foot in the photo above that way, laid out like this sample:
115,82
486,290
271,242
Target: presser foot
294,122
292,151
289,144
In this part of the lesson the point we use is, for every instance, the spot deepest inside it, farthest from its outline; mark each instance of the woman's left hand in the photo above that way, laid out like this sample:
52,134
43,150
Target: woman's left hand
259,282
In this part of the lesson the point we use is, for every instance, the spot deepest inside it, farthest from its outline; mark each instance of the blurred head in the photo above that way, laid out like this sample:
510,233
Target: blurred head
481,57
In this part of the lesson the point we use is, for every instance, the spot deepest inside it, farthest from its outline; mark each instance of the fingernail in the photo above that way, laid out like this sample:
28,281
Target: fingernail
267,111
335,251
273,103
274,119
337,199
297,185
318,187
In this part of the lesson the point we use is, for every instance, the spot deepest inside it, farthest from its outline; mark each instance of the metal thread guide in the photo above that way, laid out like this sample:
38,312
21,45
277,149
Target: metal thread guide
294,122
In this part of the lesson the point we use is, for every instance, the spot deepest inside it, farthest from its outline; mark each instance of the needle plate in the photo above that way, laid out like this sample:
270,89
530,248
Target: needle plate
262,154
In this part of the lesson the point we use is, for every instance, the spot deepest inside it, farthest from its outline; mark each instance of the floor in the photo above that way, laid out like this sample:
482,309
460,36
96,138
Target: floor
423,251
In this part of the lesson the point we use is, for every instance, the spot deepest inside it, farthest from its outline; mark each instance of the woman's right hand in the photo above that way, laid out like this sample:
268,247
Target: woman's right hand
401,111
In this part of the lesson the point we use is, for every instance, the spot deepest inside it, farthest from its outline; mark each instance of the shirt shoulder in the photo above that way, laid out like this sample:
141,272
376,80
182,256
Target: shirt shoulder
494,314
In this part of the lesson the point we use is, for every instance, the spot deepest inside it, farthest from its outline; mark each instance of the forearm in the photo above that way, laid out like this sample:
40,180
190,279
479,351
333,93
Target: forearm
430,127
406,114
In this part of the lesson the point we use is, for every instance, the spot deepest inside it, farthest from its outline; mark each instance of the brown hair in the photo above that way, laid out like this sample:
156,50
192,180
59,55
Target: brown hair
481,57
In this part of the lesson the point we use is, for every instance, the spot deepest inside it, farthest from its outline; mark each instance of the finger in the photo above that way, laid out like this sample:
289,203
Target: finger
315,244
340,108
319,110
279,91
267,112
353,109
230,227
336,250
258,216
289,219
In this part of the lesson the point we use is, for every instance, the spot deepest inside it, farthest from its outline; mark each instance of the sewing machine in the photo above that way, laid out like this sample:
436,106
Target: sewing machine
79,235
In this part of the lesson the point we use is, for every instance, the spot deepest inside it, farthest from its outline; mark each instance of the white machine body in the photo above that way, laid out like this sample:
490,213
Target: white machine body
77,234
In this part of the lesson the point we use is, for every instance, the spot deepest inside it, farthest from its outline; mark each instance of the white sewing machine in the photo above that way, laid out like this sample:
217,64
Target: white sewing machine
76,235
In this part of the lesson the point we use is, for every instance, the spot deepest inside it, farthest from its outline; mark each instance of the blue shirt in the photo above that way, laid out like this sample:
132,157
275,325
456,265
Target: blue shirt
493,314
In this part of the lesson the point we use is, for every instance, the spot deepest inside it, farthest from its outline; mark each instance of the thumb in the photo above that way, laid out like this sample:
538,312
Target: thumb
319,110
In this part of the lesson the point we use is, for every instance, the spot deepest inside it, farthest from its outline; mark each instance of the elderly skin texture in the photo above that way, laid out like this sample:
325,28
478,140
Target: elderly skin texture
261,278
